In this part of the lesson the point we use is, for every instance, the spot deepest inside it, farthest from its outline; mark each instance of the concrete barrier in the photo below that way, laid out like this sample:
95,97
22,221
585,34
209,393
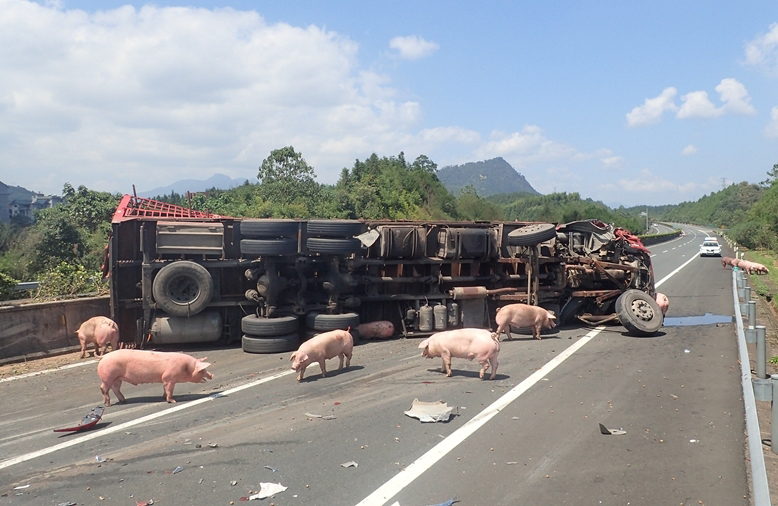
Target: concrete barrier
45,328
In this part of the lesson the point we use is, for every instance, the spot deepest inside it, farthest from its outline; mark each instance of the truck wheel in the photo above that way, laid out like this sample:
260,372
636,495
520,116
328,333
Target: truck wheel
268,246
639,313
570,310
325,322
277,344
263,327
335,228
269,228
531,235
182,288
334,246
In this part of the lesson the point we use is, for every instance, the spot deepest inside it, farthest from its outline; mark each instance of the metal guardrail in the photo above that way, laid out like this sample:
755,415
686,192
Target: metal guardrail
27,286
761,490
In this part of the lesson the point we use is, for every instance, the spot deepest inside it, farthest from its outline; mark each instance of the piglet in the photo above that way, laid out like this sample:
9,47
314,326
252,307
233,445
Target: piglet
335,343
523,315
101,331
376,330
479,344
663,301
140,366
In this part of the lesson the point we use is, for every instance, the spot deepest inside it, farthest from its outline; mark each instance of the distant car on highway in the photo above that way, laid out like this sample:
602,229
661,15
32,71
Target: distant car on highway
710,248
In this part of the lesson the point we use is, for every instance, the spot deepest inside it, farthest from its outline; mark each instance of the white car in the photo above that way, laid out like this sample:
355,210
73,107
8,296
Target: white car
710,249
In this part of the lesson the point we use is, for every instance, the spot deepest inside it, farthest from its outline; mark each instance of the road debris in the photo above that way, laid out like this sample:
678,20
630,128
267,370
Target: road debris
615,432
436,411
271,468
447,503
349,464
178,470
267,490
323,417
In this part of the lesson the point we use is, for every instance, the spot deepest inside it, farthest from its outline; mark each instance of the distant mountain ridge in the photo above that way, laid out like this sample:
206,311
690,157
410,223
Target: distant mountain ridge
219,181
488,177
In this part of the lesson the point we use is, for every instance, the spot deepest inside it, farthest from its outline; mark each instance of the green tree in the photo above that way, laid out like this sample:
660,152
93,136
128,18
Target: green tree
288,184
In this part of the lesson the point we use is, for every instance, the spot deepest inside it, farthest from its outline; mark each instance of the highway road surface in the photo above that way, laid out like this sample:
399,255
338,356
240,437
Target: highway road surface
531,436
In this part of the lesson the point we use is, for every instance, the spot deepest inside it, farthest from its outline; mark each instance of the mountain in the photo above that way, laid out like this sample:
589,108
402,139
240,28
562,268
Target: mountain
489,177
219,181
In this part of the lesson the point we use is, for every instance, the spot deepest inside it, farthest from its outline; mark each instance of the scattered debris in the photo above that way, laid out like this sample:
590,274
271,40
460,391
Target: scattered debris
511,463
267,490
87,421
213,445
271,468
349,464
436,411
233,483
69,503
100,459
615,432
447,503
144,503
21,487
178,470
323,417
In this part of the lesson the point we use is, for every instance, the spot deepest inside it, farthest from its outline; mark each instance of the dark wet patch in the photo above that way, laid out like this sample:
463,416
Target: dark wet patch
706,319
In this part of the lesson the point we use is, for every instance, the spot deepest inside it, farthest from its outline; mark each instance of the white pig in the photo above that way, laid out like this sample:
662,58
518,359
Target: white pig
376,330
101,331
478,344
139,366
663,301
335,343
523,315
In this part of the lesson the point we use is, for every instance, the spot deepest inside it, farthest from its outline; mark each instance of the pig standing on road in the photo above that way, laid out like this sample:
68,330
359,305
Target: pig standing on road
139,366
335,343
523,315
101,331
478,344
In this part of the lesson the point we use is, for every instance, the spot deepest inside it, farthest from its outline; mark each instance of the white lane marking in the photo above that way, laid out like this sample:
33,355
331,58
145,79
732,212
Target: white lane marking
46,371
658,283
392,487
117,428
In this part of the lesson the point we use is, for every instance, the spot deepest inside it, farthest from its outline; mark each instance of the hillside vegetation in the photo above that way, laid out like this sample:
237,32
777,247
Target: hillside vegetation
64,246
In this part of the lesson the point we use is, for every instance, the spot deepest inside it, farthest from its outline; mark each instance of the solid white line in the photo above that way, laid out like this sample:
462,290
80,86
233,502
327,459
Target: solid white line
392,487
132,423
37,373
674,272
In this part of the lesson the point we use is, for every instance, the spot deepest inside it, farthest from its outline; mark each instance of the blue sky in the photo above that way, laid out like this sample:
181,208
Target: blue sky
625,102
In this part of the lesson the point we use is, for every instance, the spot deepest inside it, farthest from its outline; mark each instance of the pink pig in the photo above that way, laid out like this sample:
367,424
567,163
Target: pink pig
479,344
101,331
139,366
335,343
523,315
752,267
376,330
663,301
726,262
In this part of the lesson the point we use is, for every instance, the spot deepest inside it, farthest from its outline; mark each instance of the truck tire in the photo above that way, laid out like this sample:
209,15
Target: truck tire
264,327
278,344
639,313
182,288
324,322
531,235
254,247
334,246
269,228
335,228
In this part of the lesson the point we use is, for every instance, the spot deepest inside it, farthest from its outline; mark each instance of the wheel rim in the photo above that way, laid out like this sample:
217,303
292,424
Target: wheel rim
642,310
183,290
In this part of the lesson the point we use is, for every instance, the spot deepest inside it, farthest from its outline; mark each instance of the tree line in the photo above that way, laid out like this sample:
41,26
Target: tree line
64,246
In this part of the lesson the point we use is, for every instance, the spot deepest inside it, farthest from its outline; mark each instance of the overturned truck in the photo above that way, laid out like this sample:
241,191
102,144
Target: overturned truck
184,276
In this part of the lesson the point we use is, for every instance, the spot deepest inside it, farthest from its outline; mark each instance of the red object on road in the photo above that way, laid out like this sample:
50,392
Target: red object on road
87,422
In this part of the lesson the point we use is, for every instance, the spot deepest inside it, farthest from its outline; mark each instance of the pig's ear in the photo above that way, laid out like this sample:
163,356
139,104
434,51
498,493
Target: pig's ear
201,365
291,359
551,315
424,343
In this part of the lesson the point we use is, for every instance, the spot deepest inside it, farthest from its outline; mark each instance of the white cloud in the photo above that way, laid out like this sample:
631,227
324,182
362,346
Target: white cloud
763,50
529,145
731,92
652,109
691,149
771,130
613,162
647,183
413,47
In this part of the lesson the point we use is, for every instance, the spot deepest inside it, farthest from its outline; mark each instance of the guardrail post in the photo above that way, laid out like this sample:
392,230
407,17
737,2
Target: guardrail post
746,293
774,415
761,352
751,331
